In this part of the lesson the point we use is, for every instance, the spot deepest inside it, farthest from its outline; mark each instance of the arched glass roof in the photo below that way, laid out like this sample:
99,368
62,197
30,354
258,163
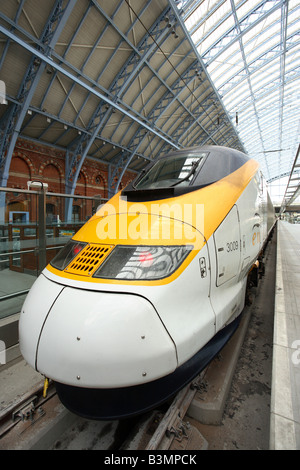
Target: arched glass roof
123,82
250,49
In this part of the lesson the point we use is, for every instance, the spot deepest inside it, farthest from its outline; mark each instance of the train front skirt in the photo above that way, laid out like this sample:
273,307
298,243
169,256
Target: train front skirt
120,403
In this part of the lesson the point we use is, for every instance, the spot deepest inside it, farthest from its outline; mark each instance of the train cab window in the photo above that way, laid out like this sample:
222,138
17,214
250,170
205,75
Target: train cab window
184,171
171,171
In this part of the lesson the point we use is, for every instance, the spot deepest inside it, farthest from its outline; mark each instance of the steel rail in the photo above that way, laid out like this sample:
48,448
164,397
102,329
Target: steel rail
18,411
167,429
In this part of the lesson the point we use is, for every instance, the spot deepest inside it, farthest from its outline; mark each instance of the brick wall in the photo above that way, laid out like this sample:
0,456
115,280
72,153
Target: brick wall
34,161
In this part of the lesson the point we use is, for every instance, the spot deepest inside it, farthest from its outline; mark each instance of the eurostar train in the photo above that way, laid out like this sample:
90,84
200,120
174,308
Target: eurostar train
152,286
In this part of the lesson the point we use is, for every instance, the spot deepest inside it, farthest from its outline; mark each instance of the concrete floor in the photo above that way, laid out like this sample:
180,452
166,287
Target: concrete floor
285,405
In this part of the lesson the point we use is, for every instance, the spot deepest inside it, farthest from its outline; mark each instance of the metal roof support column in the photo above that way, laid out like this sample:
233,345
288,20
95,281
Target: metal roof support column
167,99
118,171
180,21
284,23
119,86
164,103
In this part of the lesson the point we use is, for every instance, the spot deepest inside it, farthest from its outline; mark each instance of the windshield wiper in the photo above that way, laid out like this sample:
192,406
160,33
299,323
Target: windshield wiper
192,171
139,178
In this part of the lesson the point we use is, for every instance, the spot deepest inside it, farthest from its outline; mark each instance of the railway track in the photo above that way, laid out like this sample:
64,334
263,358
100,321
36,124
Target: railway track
175,432
22,423
25,409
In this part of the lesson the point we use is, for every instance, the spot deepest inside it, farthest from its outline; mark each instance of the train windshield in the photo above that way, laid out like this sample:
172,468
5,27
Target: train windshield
171,171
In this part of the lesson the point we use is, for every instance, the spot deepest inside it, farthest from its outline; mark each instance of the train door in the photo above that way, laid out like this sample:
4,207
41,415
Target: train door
225,291
227,243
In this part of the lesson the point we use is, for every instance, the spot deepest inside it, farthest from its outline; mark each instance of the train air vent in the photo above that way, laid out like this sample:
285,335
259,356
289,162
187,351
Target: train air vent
89,259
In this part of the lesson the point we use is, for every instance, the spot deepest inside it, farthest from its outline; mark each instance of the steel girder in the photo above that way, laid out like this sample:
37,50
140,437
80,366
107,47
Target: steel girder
80,80
102,114
144,123
251,51
240,28
293,187
117,172
11,128
129,71
226,117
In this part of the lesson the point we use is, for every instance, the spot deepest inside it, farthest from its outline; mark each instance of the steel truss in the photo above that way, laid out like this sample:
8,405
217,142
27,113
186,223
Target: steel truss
185,90
251,51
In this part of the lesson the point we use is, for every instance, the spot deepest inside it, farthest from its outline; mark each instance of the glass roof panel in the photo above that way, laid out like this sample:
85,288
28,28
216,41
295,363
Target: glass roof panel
251,51
244,8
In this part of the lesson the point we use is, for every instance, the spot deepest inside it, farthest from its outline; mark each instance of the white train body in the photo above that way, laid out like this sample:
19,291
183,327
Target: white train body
106,332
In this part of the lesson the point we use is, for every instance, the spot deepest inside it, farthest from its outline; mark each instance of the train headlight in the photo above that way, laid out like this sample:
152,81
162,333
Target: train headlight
65,256
142,262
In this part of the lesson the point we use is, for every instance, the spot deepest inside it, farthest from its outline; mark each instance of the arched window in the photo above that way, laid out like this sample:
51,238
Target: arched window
51,176
19,173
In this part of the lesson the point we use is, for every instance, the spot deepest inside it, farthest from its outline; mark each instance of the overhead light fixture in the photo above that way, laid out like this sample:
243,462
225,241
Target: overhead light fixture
167,20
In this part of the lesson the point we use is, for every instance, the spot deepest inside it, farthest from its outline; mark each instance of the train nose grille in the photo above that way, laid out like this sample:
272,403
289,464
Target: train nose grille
89,259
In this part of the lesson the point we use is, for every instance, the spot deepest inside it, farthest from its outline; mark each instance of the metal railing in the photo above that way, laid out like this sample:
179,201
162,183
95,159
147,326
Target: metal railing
32,231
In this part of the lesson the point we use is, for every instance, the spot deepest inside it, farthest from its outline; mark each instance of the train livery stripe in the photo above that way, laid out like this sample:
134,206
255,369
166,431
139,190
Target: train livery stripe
215,200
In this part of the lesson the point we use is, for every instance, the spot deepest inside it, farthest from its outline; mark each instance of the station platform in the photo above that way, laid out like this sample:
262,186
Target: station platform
285,397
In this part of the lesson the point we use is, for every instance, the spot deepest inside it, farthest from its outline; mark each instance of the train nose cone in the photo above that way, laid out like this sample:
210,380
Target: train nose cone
34,312
98,339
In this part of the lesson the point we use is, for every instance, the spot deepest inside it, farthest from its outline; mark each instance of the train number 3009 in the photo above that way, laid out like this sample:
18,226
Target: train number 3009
232,246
